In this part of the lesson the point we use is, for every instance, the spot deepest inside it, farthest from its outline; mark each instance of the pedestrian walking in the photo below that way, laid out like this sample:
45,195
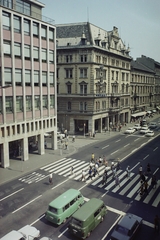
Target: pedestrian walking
72,170
141,189
90,173
50,178
114,172
73,138
154,181
148,169
156,223
143,177
45,144
140,170
83,176
128,172
118,164
97,168
66,145
146,187
92,158
112,166
104,177
117,181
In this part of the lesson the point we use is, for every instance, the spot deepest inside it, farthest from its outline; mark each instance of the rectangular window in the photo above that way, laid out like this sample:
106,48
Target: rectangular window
27,77
36,53
9,104
69,88
51,79
51,56
51,34
43,32
44,55
123,76
18,77
45,102
19,103
36,78
83,73
26,27
83,89
6,21
37,102
68,73
23,7
17,49
8,76
27,52
7,47
68,58
52,101
83,58
0,105
35,29
44,78
69,106
17,24
6,3
83,106
127,77
28,103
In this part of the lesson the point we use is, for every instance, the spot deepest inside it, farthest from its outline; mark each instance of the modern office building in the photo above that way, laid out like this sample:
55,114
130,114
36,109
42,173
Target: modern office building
93,78
27,79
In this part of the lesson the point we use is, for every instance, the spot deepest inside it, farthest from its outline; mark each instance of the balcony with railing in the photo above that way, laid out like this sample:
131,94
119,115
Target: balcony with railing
26,10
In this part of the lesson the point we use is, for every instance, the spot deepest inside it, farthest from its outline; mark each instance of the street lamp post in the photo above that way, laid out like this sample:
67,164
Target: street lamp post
84,129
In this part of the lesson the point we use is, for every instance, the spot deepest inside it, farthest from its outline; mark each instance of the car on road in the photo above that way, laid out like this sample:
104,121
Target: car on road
152,125
60,135
149,134
137,127
130,130
127,227
144,130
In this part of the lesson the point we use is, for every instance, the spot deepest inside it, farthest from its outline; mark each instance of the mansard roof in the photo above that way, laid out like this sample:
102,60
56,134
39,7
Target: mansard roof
139,66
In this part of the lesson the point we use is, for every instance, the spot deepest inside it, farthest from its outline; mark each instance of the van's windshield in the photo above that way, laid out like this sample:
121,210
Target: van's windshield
76,222
53,210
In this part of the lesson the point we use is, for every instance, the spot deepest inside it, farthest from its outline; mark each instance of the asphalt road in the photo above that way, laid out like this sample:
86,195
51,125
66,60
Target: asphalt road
25,200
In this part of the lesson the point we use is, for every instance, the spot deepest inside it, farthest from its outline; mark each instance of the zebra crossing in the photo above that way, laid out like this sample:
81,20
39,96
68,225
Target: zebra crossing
129,188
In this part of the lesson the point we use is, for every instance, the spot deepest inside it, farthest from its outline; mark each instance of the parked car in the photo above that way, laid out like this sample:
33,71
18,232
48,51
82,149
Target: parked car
152,125
137,127
26,233
127,227
149,134
130,130
60,135
144,130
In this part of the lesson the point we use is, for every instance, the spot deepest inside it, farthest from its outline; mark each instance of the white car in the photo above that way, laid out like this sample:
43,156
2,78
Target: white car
26,233
144,130
149,134
60,135
152,125
137,127
130,130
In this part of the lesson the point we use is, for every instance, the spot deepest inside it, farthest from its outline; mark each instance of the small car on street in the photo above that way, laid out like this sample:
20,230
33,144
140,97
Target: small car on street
144,130
137,127
127,227
152,125
149,134
130,130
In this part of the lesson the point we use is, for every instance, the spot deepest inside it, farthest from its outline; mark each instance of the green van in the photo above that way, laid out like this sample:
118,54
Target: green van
64,206
85,219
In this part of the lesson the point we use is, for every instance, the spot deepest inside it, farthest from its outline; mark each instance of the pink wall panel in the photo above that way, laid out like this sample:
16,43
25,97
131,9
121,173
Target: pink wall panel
27,64
1,119
28,90
51,67
17,37
44,91
8,91
19,116
52,90
7,62
18,63
44,43
44,66
36,65
37,114
27,40
28,115
35,42
45,112
9,117
19,91
52,112
51,45
37,90
6,34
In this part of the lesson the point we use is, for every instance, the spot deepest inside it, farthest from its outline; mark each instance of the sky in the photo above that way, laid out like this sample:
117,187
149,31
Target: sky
138,21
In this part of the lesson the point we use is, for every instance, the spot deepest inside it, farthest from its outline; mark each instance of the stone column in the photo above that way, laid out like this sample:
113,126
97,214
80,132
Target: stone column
5,155
24,149
54,140
41,144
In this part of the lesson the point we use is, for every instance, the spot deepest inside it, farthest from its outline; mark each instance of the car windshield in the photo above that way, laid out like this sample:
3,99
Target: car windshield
122,230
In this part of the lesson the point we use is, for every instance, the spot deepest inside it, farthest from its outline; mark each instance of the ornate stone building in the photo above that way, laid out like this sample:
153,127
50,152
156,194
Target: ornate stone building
93,78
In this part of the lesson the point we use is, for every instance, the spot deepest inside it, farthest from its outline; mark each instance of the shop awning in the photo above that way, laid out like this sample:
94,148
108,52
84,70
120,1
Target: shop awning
139,114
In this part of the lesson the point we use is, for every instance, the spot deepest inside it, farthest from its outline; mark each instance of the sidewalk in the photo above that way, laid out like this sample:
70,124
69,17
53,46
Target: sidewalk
18,168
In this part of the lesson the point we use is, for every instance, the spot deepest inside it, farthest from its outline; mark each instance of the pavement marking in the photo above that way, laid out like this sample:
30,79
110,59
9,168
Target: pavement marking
62,233
127,145
11,194
27,204
51,164
118,140
105,147
155,149
114,152
156,201
37,219
146,157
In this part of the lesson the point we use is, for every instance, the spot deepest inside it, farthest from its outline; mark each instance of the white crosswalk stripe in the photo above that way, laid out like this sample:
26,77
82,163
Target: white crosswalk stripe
129,188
